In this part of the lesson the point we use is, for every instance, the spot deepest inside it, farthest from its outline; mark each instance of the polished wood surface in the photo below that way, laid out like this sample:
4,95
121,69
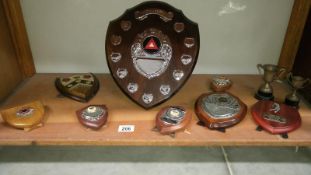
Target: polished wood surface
19,36
32,121
294,32
10,74
63,128
289,115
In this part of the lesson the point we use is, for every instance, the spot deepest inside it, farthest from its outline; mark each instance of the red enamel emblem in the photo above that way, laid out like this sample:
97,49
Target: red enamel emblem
151,45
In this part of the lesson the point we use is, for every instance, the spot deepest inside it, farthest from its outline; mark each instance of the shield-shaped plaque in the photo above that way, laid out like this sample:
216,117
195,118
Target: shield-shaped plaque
78,87
151,51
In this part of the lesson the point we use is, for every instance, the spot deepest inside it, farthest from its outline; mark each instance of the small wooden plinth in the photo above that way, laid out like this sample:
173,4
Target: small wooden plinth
27,116
289,117
93,124
214,123
167,128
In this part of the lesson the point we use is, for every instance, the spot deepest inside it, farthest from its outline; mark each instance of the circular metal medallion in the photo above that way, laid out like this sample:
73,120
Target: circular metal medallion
221,106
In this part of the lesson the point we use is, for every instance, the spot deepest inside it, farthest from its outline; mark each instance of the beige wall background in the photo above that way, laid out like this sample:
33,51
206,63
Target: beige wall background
69,35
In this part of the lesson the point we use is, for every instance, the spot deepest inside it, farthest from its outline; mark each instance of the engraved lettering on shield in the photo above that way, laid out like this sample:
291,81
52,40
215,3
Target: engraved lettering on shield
178,74
132,87
115,57
147,98
179,27
116,40
186,59
126,25
122,73
151,53
165,89
189,42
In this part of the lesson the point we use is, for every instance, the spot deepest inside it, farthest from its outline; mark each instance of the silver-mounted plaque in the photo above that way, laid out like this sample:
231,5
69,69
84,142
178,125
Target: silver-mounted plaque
155,46
221,105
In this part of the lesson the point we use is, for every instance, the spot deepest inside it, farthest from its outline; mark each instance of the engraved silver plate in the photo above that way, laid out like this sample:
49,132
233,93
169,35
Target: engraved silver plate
221,106
132,87
178,74
151,65
93,113
122,73
165,89
151,59
115,57
173,116
274,118
186,59
25,112
147,98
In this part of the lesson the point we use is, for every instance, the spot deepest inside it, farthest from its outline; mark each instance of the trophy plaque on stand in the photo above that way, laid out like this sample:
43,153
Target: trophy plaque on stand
93,116
276,118
28,116
172,119
219,110
151,51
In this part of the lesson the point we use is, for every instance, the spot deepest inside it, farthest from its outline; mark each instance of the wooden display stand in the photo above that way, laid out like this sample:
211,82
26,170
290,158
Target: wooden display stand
63,128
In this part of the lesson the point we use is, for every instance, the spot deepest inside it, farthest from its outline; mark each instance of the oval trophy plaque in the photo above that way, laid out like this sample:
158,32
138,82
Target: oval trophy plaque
151,51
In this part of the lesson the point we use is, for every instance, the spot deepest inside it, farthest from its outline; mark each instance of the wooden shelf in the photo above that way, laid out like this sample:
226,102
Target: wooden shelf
62,126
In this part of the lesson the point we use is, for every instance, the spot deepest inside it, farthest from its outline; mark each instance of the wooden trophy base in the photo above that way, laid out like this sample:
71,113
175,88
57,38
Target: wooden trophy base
275,117
28,116
93,116
219,110
172,119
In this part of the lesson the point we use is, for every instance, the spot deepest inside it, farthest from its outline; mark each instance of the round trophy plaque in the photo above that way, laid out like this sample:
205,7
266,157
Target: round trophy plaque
172,119
151,51
27,116
219,110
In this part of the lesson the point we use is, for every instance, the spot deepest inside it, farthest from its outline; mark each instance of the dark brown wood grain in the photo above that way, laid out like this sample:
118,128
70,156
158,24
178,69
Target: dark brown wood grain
10,73
19,36
176,38
294,32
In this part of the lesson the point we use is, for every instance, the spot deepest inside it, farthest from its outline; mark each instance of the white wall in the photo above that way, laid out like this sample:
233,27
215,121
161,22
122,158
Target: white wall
69,35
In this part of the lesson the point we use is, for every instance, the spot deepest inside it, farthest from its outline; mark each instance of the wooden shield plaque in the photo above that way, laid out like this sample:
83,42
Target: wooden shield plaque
151,51
275,117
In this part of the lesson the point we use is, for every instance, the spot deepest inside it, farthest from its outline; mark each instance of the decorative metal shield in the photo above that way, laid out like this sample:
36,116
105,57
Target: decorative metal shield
151,51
